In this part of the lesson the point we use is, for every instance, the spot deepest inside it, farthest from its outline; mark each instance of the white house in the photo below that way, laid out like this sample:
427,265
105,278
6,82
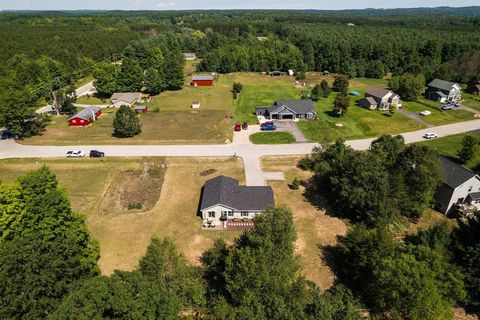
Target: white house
460,186
381,99
442,91
224,199
125,98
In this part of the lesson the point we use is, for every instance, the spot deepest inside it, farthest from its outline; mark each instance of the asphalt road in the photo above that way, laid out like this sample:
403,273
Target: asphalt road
83,90
250,153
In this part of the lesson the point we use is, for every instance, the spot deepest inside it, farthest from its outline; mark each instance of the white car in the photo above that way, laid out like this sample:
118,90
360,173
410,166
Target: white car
425,113
430,135
75,154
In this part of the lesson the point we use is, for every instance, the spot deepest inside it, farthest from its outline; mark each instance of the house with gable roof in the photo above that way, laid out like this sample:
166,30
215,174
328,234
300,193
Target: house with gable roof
288,110
380,99
442,91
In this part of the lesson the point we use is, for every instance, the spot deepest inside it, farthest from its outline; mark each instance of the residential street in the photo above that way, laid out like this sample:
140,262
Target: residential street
85,89
250,153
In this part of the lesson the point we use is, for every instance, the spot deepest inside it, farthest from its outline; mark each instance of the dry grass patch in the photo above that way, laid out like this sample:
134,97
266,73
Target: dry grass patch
314,227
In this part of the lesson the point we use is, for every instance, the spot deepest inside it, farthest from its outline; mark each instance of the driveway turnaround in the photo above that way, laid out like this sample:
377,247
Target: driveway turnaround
292,128
250,153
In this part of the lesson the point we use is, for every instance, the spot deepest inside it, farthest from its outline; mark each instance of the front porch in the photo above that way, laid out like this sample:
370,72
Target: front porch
235,224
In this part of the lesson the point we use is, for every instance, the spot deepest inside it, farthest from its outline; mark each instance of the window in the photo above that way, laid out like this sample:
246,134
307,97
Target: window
211,214
244,213
470,189
230,213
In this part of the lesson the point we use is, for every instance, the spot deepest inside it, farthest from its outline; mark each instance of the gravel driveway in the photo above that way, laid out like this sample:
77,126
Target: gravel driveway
291,127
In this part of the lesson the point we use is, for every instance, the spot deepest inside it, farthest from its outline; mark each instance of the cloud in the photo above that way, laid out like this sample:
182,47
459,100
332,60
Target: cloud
169,4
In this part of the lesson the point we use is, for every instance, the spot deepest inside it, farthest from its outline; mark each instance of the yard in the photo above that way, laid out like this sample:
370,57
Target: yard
169,127
438,116
448,146
471,101
272,138
92,100
169,209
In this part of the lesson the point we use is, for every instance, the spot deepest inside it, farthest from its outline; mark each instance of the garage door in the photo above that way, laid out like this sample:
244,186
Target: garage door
287,116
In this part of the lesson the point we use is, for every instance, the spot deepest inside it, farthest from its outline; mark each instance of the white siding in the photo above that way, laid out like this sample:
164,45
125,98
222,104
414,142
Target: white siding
215,213
462,191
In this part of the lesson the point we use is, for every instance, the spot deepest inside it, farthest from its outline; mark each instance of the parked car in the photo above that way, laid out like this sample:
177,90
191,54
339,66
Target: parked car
96,154
456,104
268,128
425,113
75,154
268,123
447,107
238,127
430,135
245,125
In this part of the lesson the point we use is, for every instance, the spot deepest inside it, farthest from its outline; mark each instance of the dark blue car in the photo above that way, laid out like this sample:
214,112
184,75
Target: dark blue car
268,128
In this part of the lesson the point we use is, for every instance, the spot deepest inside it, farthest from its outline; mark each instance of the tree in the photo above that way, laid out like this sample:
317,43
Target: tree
106,76
341,104
325,88
130,78
124,295
173,70
337,302
45,248
236,89
408,86
126,123
165,266
316,93
469,145
154,81
340,84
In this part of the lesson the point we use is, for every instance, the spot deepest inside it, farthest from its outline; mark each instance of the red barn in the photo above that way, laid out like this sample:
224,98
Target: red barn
85,117
202,80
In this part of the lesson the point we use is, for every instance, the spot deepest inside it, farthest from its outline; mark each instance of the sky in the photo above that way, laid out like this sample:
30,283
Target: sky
216,4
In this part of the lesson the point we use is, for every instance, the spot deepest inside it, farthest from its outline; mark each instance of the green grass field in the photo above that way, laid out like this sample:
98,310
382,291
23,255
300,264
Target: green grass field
449,146
471,101
272,138
93,100
438,116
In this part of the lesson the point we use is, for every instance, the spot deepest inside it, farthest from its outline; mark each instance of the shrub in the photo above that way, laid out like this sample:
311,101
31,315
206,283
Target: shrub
295,184
134,205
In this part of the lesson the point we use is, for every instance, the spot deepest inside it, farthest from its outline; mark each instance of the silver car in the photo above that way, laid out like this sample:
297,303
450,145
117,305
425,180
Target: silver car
75,154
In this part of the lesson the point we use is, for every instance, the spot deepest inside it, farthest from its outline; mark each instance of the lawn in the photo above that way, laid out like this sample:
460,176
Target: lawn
471,101
315,228
438,116
272,138
169,127
448,146
92,100
124,235
358,122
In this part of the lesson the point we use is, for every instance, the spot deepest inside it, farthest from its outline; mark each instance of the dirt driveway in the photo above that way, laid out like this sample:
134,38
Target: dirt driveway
291,127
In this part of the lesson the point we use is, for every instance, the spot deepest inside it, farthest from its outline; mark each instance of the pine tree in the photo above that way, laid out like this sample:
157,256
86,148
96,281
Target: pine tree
467,151
126,123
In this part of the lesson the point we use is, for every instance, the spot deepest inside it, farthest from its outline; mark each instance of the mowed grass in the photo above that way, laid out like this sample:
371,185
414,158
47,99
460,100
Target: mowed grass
123,237
92,100
315,228
438,116
358,122
471,101
449,146
169,127
272,138
261,90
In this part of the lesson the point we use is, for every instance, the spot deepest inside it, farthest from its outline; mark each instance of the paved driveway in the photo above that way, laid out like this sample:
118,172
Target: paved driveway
291,127
415,117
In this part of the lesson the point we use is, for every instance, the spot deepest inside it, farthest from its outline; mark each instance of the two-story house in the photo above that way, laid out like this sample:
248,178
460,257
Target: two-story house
460,186
381,99
442,91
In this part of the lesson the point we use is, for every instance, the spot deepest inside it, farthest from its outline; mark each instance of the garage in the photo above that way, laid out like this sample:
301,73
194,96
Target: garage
286,117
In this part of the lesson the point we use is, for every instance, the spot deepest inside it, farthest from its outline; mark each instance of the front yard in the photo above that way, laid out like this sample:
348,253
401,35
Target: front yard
169,127
438,116
272,138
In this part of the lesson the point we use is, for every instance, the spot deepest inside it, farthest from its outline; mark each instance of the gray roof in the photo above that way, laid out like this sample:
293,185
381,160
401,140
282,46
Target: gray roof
371,100
454,174
129,97
299,106
189,55
86,113
202,77
226,191
377,92
140,107
441,84
474,195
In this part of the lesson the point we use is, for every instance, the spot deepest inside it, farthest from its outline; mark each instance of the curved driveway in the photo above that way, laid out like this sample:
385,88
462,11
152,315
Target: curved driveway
241,147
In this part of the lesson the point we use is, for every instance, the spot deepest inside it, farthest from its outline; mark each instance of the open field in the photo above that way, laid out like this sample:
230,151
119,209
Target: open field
438,116
315,228
169,127
124,235
272,138
448,146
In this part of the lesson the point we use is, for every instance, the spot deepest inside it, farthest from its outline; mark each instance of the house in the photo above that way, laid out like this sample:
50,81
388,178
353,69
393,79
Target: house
202,80
223,198
288,110
141,109
381,99
460,186
125,98
189,56
474,88
442,91
85,117
196,105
